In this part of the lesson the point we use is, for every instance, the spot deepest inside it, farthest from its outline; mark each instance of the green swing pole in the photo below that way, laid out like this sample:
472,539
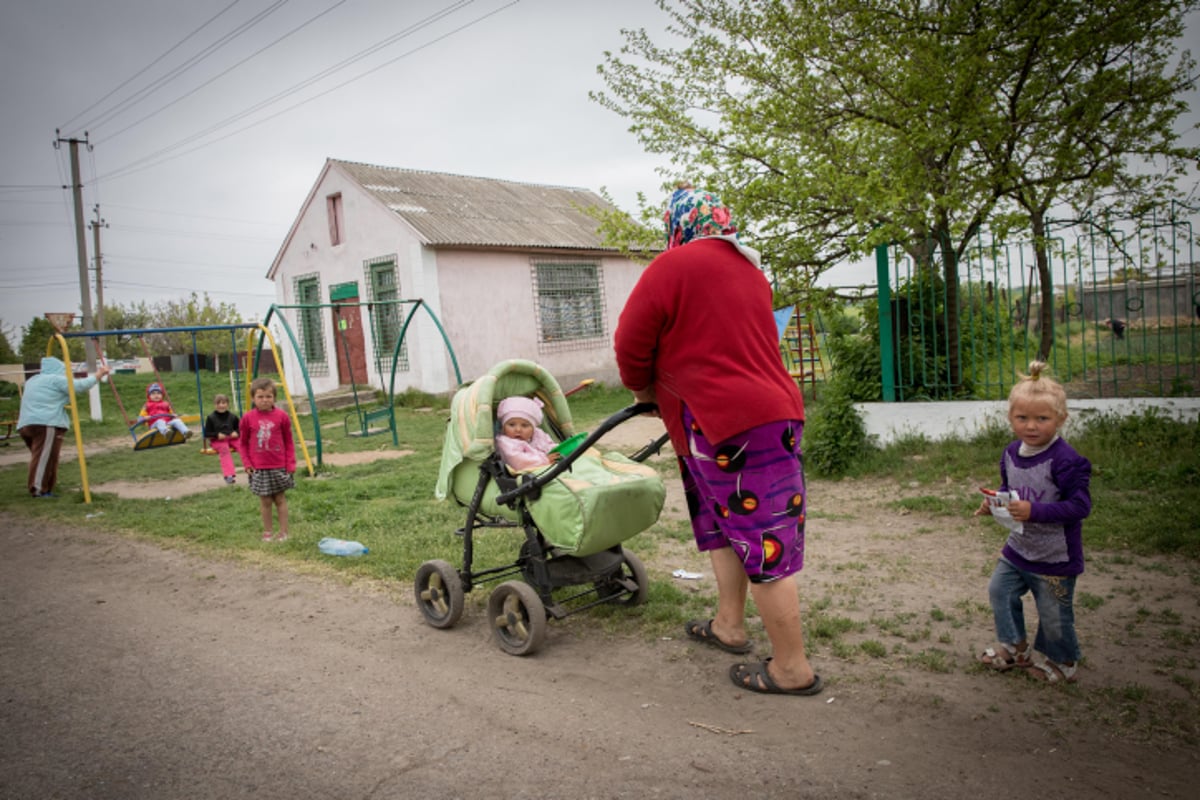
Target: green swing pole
419,303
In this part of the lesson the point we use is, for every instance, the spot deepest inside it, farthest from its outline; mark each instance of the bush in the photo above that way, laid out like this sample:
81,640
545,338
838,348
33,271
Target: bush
834,433
856,366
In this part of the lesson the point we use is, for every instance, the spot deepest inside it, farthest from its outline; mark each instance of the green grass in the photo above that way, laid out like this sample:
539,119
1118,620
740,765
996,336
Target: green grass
389,504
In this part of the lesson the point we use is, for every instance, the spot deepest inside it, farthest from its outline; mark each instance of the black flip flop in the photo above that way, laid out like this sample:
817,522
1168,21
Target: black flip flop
760,680
701,631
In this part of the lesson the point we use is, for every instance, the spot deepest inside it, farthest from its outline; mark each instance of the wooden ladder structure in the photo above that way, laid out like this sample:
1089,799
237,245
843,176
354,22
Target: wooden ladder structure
802,350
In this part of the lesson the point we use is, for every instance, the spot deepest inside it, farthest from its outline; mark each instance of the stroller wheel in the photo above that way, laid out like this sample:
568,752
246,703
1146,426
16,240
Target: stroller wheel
616,586
518,618
439,594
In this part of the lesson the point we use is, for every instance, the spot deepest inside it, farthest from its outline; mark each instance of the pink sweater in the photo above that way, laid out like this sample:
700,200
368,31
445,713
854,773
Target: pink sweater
266,440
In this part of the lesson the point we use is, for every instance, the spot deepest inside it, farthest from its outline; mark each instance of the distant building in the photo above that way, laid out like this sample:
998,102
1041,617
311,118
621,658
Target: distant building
511,270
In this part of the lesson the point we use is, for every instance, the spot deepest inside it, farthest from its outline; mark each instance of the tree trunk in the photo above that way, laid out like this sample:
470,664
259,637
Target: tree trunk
950,266
1042,259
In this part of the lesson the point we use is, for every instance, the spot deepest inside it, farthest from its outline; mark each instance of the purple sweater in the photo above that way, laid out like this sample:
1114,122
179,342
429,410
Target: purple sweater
1055,482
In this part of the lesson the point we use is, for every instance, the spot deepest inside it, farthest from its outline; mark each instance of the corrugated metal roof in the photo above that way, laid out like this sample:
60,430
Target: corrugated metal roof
483,212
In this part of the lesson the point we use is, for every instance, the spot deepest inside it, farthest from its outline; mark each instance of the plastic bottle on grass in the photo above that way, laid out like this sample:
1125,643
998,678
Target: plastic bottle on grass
340,547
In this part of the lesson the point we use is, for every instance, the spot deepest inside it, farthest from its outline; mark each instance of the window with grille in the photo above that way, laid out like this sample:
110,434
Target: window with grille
387,315
569,298
307,289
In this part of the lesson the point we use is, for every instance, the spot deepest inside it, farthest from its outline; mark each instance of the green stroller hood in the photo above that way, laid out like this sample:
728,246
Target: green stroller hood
470,434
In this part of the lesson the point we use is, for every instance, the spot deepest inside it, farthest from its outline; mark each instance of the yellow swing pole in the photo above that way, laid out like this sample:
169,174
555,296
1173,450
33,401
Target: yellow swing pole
286,392
66,357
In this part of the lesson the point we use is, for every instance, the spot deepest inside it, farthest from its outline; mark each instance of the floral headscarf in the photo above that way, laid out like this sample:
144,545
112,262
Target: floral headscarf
692,213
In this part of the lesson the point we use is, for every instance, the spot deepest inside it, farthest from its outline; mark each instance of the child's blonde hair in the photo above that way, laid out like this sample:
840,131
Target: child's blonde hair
218,398
262,385
1038,388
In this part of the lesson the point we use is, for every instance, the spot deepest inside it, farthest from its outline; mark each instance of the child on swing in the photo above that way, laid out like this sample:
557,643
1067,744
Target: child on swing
221,430
158,414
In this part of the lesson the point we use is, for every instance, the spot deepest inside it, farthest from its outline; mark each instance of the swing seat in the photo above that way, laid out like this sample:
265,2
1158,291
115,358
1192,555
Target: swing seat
152,438
366,420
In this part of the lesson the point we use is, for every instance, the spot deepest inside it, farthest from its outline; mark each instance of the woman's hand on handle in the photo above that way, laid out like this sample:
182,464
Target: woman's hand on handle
647,395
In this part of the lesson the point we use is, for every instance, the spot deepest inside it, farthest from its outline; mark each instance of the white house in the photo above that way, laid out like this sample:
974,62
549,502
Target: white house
508,270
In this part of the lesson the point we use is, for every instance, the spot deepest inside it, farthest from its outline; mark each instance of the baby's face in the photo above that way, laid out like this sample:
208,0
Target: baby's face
518,428
156,396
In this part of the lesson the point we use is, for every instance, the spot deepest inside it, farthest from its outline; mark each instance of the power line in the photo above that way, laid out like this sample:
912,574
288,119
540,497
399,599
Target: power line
111,258
289,91
145,92
161,156
142,71
225,72
193,234
190,215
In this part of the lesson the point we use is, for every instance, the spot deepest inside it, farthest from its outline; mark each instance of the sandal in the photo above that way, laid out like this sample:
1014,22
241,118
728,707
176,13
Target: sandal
701,631
756,678
1049,671
1003,657
267,536
282,537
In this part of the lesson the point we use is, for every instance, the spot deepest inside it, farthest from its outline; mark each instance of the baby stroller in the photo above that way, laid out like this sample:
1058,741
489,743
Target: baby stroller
574,513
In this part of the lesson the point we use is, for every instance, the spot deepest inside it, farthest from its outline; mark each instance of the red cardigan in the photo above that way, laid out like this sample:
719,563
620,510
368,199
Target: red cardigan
700,327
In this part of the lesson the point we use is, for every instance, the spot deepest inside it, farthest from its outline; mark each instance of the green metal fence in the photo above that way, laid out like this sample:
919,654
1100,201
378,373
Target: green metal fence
1124,317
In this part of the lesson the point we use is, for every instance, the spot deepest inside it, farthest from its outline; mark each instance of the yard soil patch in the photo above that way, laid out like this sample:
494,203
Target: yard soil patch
133,670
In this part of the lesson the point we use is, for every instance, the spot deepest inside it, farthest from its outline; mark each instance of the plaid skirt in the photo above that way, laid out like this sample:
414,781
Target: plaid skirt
268,482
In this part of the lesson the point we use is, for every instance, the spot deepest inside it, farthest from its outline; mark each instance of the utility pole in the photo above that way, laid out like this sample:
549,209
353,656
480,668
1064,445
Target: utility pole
96,225
85,294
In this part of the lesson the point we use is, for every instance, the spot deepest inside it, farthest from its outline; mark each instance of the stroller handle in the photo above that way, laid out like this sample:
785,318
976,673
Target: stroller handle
532,484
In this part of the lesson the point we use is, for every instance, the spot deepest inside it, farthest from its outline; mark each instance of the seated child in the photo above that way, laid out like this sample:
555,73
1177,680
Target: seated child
522,443
158,414
221,430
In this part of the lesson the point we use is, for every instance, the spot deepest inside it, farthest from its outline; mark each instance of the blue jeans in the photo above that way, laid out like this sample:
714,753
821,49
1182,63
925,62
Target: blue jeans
1054,596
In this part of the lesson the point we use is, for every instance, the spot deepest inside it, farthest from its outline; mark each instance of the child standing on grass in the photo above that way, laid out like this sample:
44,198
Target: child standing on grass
158,414
269,456
221,431
1048,499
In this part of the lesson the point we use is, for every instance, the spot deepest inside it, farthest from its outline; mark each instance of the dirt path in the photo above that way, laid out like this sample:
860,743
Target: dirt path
131,671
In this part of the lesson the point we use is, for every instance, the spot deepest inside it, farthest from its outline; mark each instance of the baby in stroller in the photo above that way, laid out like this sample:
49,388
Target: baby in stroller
521,442
573,513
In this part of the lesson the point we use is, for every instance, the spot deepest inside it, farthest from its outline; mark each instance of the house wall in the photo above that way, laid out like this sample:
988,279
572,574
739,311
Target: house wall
484,300
488,310
369,231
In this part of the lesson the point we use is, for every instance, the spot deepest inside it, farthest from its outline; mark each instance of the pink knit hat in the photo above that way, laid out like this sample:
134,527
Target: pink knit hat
527,408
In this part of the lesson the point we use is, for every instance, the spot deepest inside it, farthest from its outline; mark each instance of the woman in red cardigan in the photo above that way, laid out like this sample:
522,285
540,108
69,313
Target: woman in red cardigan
698,338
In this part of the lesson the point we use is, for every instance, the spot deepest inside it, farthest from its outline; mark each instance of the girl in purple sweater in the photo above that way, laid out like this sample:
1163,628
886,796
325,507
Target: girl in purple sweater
1047,499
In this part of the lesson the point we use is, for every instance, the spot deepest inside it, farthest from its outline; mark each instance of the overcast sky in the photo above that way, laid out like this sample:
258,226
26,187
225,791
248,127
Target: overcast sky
199,183
206,137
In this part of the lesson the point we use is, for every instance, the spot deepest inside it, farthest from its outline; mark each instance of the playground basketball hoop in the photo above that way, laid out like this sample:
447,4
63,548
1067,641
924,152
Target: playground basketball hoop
61,320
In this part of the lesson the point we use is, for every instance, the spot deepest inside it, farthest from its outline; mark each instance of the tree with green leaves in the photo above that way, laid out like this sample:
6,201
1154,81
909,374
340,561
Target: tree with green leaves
36,338
7,354
1089,98
833,126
